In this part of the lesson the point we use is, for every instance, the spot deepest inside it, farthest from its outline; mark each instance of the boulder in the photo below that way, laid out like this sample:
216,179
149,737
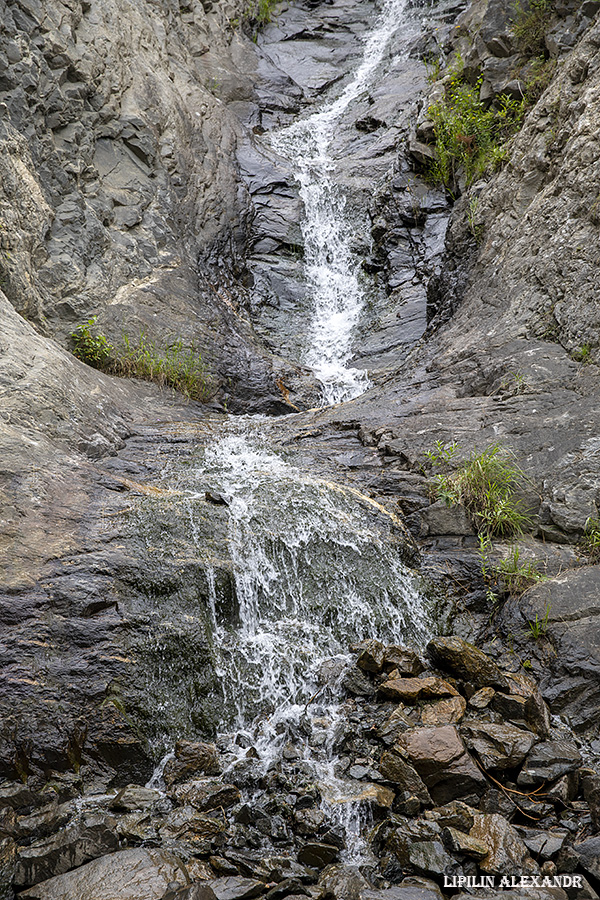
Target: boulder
134,797
442,761
410,690
457,841
125,875
395,769
405,660
523,703
317,855
465,661
206,793
191,758
93,836
507,852
548,761
497,746
371,656
444,712
236,888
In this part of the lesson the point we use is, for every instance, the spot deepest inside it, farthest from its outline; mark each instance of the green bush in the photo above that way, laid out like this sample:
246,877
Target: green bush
91,347
516,574
469,135
485,484
591,539
173,366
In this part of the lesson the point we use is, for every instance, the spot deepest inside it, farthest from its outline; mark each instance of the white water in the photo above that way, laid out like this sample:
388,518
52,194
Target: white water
316,568
332,272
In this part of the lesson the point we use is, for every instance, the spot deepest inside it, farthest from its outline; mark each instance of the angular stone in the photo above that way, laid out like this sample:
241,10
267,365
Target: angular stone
498,746
507,852
544,844
371,656
235,888
397,723
523,703
357,683
192,759
405,660
413,888
206,794
125,875
444,712
430,858
482,698
440,758
135,797
317,855
465,661
396,770
456,815
409,690
93,836
458,842
548,761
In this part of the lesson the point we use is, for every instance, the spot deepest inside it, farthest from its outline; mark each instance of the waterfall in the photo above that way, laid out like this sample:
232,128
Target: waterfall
331,270
317,566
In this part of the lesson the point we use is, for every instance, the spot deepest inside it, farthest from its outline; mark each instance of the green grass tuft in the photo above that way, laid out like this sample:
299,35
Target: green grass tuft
486,485
175,365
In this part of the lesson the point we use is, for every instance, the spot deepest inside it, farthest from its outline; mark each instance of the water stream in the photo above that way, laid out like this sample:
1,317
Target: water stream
316,566
331,269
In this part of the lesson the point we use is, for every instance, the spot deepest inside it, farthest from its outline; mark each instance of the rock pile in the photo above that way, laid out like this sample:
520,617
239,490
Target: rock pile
454,757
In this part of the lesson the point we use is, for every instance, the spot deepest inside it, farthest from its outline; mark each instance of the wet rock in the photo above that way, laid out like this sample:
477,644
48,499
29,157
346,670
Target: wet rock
357,683
191,759
371,657
588,853
191,826
523,703
395,769
495,801
498,746
127,873
195,892
137,828
45,822
410,690
465,661
85,840
397,723
456,815
206,794
441,759
412,888
590,782
289,887
18,796
444,712
405,660
439,518
482,698
235,888
112,741
8,860
543,844
317,855
135,797
507,852
548,761
458,842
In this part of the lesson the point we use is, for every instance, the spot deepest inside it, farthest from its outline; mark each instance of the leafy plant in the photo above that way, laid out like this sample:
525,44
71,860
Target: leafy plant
536,628
486,485
92,347
469,135
583,354
541,71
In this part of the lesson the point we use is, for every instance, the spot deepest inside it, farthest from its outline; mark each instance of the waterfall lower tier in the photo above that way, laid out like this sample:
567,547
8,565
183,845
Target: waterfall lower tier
316,568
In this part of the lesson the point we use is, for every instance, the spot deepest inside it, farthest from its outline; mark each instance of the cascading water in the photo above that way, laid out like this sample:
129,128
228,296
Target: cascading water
331,271
316,568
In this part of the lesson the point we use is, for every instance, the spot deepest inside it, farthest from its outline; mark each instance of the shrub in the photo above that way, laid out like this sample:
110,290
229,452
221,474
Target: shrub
468,135
516,574
591,539
485,484
90,347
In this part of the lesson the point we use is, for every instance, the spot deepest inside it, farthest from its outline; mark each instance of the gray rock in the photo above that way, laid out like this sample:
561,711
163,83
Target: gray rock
440,758
548,761
497,746
135,797
92,837
234,888
205,794
191,759
317,855
125,874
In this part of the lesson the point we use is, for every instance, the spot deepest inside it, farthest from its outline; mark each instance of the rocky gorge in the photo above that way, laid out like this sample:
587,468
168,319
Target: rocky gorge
246,648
